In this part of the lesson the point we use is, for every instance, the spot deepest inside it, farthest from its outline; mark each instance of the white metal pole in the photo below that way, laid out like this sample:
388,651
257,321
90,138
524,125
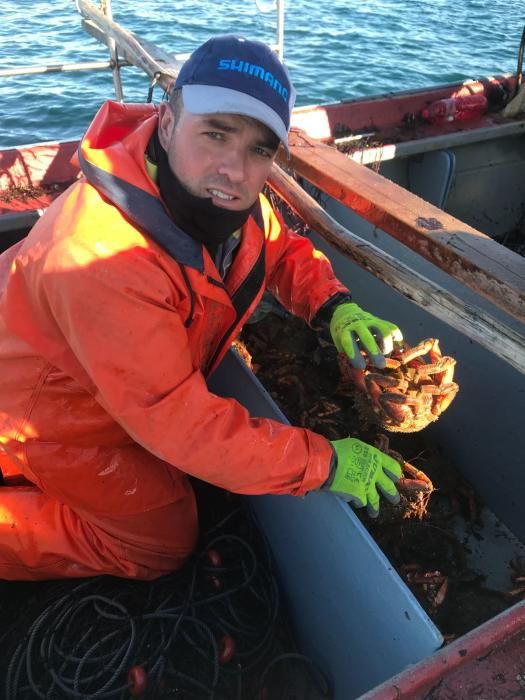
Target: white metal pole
280,29
59,68
106,8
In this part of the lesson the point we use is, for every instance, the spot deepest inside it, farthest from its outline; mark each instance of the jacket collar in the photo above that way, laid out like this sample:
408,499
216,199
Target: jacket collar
147,212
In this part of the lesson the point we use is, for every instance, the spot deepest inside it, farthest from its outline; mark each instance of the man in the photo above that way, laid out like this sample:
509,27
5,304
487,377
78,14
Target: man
122,300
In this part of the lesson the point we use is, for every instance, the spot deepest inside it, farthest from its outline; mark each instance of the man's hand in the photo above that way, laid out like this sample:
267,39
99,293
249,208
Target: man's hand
351,325
362,472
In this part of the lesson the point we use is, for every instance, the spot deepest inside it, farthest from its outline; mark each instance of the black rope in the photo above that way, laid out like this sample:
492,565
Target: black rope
215,630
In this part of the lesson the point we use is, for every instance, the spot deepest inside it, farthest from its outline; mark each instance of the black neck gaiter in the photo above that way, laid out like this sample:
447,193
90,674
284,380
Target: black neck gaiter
196,216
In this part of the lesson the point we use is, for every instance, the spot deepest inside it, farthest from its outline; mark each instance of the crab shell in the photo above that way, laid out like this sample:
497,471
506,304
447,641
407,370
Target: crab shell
411,391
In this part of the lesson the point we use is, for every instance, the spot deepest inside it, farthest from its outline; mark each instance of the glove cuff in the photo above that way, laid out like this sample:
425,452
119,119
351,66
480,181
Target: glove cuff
333,468
321,320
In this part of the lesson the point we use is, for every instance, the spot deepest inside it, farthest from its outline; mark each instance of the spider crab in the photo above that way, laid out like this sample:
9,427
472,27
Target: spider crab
410,392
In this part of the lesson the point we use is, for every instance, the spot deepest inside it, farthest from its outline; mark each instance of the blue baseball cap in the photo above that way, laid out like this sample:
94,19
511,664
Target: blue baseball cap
234,75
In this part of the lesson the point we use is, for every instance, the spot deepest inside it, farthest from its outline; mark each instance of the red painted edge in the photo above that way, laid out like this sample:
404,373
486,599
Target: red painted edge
409,684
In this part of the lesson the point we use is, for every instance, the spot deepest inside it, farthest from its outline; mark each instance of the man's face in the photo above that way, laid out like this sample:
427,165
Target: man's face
223,156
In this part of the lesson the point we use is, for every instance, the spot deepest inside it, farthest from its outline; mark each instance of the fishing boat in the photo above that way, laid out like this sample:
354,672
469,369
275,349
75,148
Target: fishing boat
416,215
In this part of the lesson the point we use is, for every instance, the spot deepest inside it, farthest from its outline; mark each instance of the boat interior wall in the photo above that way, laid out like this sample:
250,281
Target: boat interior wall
429,175
37,165
489,186
320,546
482,184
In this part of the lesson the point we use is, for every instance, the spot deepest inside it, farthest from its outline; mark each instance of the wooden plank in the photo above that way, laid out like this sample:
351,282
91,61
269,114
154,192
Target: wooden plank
466,254
490,332
153,50
155,62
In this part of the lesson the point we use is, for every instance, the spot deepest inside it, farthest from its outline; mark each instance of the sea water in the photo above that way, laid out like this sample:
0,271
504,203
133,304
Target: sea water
335,50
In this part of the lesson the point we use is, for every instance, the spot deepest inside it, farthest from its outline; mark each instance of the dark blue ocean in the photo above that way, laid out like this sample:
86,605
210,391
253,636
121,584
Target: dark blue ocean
334,50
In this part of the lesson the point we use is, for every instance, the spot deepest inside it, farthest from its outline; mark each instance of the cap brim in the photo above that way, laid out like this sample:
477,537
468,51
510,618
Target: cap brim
206,99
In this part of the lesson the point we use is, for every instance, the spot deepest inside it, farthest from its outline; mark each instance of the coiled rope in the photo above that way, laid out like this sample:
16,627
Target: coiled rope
213,630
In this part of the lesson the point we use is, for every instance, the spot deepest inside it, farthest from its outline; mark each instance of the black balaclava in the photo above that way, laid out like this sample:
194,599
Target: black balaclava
196,216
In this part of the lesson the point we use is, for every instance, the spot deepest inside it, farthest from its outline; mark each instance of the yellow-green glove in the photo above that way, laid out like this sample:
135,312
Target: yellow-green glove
362,473
351,326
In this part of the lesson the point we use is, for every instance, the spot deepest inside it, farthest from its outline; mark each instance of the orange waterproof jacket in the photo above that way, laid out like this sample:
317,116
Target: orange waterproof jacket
111,320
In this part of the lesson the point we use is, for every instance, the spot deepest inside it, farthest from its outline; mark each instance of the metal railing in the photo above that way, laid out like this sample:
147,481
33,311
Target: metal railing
61,68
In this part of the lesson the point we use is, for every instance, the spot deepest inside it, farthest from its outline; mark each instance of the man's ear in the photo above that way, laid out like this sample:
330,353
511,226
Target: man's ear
166,122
